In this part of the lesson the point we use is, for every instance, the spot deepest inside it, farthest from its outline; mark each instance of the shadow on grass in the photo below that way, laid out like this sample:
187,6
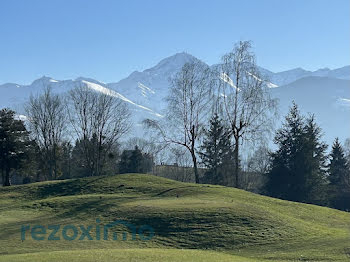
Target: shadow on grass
66,188
171,189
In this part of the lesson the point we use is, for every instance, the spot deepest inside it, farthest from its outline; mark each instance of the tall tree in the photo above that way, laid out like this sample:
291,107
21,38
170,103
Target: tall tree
259,162
47,123
298,165
188,106
339,178
14,143
281,176
347,150
314,164
244,98
216,152
99,121
257,166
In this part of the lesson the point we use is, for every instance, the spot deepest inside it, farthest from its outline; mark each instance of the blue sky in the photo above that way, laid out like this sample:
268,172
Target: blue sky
107,40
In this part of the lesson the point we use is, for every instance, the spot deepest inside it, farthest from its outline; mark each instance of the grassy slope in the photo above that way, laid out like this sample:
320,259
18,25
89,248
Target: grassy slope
237,225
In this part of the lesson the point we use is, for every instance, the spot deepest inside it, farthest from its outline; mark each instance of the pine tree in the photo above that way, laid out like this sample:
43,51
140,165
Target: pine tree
297,169
216,153
313,187
134,161
66,159
124,163
281,178
82,159
339,178
14,141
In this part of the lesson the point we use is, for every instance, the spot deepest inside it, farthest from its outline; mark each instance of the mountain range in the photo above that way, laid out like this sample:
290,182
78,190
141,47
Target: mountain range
324,92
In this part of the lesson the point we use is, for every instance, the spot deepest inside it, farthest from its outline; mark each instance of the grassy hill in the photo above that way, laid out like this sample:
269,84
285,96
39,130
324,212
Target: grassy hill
191,222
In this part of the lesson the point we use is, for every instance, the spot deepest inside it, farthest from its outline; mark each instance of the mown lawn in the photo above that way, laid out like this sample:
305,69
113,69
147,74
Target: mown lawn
124,255
191,222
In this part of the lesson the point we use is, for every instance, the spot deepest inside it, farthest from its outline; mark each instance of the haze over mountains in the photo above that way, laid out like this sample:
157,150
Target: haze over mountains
324,92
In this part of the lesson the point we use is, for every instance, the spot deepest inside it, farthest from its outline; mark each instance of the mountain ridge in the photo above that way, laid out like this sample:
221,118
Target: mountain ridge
146,91
182,57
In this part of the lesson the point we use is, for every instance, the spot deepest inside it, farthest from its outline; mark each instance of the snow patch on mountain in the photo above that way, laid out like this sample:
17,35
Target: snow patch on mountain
145,90
109,92
344,102
224,77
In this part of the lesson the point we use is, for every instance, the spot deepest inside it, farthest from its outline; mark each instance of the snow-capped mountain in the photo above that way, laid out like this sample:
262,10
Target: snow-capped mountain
289,76
324,92
15,96
151,86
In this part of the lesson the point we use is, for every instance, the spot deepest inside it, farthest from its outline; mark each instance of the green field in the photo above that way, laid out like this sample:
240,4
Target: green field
191,223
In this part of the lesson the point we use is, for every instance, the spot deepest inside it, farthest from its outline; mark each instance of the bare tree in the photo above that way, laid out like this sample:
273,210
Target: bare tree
47,122
150,147
347,150
99,120
182,162
257,165
177,165
244,98
187,112
145,145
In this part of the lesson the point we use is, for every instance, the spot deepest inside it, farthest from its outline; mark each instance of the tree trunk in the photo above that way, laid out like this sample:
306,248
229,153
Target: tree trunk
54,162
2,175
236,159
50,170
6,181
195,168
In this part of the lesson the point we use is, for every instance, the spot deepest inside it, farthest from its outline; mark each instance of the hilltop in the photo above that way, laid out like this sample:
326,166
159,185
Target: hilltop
222,224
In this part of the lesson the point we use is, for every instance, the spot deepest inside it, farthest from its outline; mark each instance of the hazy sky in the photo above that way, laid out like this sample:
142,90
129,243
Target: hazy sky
108,40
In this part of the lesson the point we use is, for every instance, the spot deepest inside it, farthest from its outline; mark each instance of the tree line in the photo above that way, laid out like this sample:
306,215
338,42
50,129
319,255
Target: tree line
300,170
41,147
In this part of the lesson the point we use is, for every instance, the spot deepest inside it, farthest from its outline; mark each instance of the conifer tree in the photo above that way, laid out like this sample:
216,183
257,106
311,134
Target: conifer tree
281,178
339,178
298,165
217,153
313,165
134,161
14,142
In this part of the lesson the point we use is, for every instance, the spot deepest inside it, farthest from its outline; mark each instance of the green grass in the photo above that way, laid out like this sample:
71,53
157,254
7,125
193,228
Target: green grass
191,222
123,255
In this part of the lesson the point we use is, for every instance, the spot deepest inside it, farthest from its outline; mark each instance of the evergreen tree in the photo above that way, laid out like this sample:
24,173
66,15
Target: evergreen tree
89,157
313,186
29,168
339,178
217,154
80,166
297,168
134,161
66,159
288,140
124,163
14,143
